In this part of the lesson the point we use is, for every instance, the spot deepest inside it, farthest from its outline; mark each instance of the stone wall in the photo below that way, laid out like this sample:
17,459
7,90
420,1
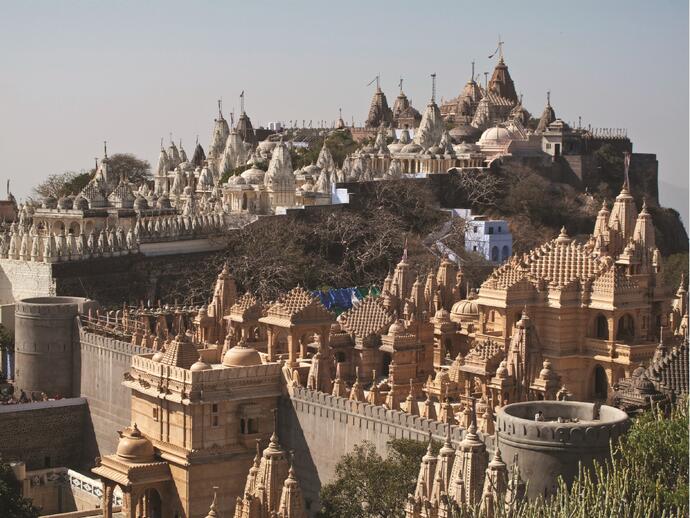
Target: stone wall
321,428
44,434
23,279
100,371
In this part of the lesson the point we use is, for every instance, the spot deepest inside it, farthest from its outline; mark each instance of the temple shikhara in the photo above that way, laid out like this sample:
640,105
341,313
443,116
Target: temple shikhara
239,406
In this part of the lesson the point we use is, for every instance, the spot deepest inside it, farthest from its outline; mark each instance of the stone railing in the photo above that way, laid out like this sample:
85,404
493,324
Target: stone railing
28,245
93,487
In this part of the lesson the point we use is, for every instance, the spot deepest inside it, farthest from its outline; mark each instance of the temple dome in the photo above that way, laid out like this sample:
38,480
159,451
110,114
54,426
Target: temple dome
80,203
495,134
466,308
134,447
49,202
412,148
140,203
396,328
199,365
253,176
65,203
241,356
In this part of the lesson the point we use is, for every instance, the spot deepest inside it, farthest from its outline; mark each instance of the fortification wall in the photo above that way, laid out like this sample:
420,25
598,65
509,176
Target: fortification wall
548,449
23,279
44,337
321,428
103,362
44,434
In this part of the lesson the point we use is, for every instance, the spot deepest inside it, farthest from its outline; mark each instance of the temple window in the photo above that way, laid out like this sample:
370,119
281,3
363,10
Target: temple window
626,328
214,414
602,328
155,414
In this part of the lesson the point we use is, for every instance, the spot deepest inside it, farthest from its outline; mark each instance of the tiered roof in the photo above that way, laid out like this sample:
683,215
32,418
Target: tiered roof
297,304
559,262
368,317
181,352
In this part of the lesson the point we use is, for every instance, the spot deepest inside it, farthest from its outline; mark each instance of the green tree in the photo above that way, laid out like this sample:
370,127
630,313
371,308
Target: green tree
135,169
62,184
366,485
12,504
71,182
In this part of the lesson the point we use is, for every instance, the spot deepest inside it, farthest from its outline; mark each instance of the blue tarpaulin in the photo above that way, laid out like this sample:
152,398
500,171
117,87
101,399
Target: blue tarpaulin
342,299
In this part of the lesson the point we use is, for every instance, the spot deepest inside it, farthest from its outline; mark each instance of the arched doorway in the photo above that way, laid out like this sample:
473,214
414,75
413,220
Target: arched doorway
601,383
153,504
386,364
505,253
626,328
494,254
601,328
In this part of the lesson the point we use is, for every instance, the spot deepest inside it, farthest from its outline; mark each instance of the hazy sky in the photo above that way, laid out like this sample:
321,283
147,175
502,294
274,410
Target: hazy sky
73,74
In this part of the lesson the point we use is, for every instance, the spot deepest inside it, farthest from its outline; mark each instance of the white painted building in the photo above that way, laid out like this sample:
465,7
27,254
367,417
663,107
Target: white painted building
488,237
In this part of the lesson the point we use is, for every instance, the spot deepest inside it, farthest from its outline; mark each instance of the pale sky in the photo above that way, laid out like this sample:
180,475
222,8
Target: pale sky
73,74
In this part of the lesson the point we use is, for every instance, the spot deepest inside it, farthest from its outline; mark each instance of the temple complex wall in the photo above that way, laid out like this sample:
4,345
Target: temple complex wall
321,428
44,434
22,279
103,362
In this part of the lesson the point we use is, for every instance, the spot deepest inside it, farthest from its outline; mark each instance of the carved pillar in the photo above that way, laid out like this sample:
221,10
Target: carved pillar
292,349
129,503
271,338
108,488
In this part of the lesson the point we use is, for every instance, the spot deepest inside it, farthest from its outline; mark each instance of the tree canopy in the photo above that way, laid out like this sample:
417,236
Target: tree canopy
12,504
367,485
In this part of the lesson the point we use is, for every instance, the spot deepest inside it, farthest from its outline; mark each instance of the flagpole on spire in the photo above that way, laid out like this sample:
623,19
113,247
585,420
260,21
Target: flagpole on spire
433,87
626,165
220,108
242,102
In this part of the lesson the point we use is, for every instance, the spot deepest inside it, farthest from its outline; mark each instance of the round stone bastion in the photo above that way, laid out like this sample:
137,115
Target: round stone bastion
45,336
569,434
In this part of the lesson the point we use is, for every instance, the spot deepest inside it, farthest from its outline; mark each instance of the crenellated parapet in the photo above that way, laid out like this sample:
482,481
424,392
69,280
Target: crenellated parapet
407,425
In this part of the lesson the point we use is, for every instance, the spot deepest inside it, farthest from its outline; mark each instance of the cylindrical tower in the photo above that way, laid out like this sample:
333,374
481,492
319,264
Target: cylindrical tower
45,332
566,434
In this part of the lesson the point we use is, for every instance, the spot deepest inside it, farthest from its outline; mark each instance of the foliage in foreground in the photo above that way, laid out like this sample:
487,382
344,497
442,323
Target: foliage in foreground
368,485
647,476
12,505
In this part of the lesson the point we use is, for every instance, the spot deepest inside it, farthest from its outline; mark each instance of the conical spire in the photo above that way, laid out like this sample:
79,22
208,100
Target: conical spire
547,116
644,228
495,485
374,396
444,469
291,500
357,391
470,464
427,470
411,402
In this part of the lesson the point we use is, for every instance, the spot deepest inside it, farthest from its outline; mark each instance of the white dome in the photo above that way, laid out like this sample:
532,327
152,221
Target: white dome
495,134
